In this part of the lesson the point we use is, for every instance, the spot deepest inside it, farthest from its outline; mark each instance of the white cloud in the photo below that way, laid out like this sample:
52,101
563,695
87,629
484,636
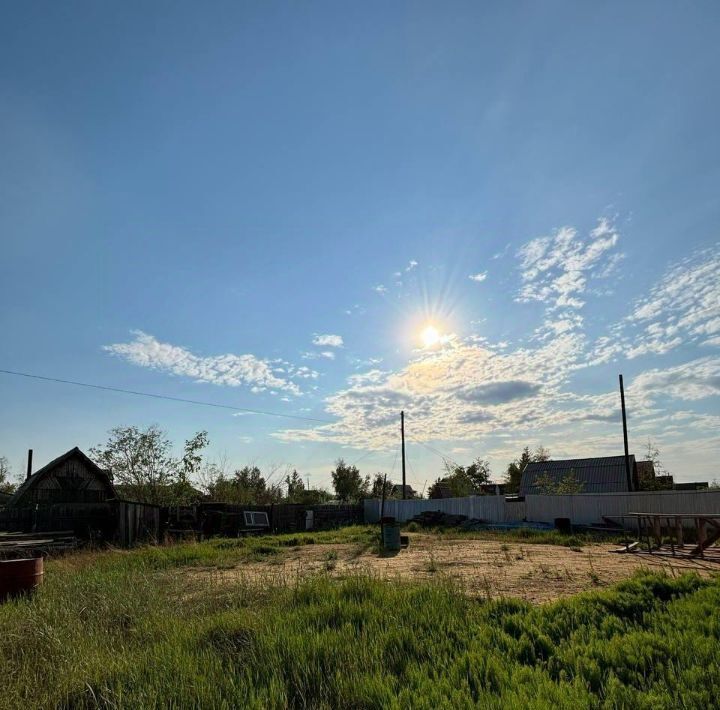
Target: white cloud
311,355
411,265
510,391
692,380
328,341
479,277
379,289
555,269
682,307
229,369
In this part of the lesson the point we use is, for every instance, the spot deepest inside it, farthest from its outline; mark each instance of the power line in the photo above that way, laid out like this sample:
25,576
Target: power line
435,451
163,396
365,455
392,470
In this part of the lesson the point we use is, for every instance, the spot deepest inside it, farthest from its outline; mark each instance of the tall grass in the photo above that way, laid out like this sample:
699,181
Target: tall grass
135,630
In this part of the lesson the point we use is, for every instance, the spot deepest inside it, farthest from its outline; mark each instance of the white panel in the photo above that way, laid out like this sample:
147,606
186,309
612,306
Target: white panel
582,509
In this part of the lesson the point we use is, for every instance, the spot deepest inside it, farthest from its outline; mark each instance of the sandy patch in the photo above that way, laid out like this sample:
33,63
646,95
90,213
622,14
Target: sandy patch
537,573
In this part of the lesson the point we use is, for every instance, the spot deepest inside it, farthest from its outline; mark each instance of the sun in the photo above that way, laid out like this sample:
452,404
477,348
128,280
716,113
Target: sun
430,336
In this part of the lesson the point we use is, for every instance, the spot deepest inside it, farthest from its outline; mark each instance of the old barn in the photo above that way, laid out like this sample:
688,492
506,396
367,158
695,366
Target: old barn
73,494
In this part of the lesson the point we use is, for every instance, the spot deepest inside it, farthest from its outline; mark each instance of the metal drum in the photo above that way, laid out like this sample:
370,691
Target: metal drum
19,577
391,534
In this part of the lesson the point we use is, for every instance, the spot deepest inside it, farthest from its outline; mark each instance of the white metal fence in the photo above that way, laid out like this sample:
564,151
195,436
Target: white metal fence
493,508
582,509
589,508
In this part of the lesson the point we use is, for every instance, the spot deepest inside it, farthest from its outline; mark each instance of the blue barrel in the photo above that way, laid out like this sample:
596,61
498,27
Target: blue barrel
391,534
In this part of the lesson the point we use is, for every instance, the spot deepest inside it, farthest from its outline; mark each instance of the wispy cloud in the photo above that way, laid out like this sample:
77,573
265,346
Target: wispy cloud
229,369
555,269
411,265
317,355
379,289
328,341
479,277
683,307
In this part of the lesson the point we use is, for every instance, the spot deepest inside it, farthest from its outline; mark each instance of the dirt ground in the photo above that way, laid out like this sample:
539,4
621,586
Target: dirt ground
537,573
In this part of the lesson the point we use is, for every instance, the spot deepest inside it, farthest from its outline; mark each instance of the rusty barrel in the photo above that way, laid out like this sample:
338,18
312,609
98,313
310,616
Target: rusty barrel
20,576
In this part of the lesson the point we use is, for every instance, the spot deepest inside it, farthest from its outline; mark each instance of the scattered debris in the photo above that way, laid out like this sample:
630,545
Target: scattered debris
25,544
436,518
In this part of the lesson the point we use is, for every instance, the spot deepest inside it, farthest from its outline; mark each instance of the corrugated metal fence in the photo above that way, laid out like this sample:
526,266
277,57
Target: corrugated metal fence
582,509
491,508
587,509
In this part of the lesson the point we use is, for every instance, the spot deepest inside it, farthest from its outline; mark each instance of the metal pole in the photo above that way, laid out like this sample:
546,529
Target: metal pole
382,511
29,466
402,435
625,436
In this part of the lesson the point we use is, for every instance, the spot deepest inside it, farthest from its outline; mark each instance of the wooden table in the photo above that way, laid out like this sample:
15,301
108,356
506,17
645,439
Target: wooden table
650,526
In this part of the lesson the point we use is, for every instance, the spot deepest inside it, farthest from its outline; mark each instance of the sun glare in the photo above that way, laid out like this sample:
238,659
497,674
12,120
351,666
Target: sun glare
430,336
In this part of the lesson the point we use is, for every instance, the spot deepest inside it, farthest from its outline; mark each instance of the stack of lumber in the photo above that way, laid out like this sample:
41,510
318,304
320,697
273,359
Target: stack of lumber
14,543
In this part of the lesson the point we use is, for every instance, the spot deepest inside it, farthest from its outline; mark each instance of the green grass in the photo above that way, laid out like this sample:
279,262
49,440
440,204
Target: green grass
527,535
132,630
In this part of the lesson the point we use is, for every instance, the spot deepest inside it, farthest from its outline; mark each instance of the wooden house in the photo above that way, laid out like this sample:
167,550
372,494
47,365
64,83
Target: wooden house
72,493
69,479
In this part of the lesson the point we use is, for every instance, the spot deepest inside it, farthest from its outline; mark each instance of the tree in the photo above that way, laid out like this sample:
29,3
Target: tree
313,496
516,467
650,481
6,485
377,486
348,483
567,485
461,481
457,484
183,492
295,487
249,486
142,464
479,473
653,454
192,458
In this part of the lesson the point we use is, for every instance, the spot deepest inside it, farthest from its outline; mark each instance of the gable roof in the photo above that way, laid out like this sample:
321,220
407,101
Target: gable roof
603,474
48,468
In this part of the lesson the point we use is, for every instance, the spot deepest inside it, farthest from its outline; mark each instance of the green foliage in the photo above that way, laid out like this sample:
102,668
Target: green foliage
461,481
143,467
513,475
119,633
295,487
246,485
380,482
6,485
567,485
349,485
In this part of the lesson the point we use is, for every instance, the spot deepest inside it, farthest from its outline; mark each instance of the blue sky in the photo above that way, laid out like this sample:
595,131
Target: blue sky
263,205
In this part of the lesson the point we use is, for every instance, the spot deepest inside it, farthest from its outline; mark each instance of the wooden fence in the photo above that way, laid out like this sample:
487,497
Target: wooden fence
137,523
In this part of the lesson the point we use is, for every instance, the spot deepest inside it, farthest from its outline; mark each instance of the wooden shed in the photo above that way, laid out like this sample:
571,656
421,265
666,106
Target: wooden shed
70,493
70,478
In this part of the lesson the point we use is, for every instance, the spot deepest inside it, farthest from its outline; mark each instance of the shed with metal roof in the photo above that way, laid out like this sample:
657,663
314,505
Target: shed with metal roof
604,474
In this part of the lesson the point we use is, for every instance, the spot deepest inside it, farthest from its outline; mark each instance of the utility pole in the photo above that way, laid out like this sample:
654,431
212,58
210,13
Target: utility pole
625,436
402,436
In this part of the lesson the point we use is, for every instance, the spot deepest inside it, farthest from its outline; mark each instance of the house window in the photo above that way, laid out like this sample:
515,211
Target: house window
256,519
